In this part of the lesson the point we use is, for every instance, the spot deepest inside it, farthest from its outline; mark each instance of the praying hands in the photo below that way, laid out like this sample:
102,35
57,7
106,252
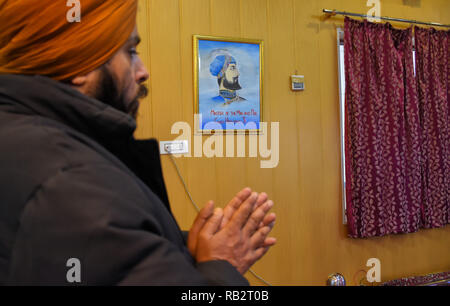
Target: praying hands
238,233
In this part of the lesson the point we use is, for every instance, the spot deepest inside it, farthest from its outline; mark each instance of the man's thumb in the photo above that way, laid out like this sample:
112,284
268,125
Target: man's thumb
213,224
198,224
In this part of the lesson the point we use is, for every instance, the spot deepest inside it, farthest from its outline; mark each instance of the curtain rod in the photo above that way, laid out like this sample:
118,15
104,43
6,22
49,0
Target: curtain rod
334,12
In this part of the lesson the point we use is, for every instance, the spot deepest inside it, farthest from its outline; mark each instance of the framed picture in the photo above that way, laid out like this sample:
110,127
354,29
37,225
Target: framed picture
228,84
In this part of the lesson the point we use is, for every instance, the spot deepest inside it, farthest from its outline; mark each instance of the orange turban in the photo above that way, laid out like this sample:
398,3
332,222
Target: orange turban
36,37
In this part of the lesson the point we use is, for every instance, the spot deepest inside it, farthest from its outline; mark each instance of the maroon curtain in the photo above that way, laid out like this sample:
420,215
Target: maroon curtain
432,60
383,157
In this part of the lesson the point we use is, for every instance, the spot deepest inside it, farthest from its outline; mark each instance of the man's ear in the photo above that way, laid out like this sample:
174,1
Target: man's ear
84,80
79,81
86,84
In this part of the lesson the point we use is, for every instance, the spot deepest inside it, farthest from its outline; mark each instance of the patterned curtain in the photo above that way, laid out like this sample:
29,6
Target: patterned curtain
432,60
383,153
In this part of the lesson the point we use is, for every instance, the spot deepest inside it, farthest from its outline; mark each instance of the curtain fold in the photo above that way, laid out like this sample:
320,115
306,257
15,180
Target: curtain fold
432,66
382,132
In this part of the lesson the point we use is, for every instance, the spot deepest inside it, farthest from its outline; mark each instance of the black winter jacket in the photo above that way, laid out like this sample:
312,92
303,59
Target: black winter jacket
74,183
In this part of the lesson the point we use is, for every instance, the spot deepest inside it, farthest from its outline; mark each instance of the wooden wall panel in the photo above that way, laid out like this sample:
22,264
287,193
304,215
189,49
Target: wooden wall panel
145,129
280,102
310,127
199,173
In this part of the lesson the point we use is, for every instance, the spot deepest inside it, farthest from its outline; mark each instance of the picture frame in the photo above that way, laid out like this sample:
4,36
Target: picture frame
228,84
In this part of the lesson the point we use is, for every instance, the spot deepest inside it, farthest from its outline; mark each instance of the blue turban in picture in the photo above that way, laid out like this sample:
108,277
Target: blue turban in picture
220,64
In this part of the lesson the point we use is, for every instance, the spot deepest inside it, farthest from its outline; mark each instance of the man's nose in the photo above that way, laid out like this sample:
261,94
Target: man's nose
142,73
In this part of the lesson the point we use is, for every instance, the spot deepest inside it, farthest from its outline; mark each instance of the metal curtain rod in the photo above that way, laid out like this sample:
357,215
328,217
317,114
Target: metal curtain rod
334,12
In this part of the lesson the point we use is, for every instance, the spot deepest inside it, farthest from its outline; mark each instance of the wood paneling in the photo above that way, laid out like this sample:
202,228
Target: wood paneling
306,184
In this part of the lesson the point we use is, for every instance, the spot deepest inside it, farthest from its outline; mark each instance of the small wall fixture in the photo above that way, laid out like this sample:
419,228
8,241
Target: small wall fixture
298,82
336,279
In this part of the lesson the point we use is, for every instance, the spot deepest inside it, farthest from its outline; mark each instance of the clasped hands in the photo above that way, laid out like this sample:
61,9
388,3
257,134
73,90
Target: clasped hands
238,233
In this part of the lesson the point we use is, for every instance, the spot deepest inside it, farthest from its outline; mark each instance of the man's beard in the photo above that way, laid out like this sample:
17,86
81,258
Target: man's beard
232,85
108,92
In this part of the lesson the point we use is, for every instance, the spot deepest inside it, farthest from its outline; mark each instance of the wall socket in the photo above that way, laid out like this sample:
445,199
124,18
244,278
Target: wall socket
174,147
413,3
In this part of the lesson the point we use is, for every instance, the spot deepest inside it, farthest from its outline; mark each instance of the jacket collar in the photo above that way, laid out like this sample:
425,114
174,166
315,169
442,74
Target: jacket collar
43,96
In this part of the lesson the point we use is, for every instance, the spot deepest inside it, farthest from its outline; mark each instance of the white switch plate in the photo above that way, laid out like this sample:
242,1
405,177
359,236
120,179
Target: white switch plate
174,147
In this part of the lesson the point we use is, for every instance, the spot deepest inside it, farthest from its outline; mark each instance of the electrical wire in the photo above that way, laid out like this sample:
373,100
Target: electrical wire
362,279
198,210
184,183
